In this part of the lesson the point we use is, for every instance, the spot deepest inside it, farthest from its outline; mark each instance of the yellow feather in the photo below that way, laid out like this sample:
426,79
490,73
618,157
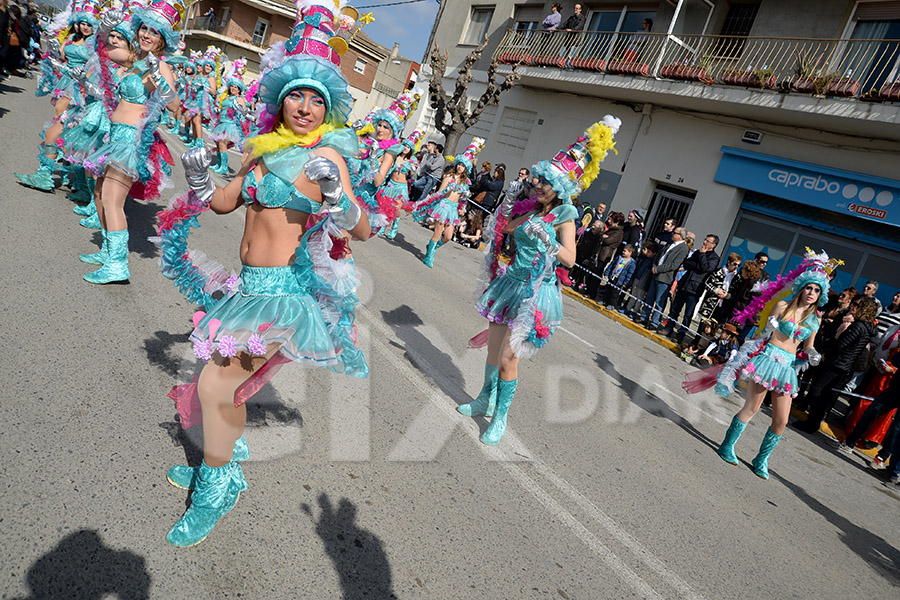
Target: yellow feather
599,142
283,137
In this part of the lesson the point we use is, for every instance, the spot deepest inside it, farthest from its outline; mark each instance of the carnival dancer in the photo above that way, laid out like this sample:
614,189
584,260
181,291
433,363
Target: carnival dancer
134,153
445,206
769,363
396,189
523,305
293,303
203,91
232,113
189,106
177,61
68,93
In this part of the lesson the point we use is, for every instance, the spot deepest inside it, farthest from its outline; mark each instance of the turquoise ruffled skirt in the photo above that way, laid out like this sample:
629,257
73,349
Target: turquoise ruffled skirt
120,151
87,135
228,131
441,211
272,307
774,369
501,301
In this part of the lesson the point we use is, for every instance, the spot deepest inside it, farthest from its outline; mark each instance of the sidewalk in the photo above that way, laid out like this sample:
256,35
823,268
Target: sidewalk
833,432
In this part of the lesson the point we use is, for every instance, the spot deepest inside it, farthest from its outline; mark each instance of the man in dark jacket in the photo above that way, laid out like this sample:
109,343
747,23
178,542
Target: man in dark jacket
664,270
837,365
572,27
697,267
664,238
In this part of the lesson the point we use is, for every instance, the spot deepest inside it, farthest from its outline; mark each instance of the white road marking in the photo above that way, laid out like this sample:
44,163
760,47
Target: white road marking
514,451
583,341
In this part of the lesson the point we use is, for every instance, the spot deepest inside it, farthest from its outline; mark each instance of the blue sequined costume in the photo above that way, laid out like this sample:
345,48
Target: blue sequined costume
229,126
438,207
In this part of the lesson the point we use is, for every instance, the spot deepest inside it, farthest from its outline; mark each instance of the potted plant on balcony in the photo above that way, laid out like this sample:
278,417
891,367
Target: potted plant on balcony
688,73
805,73
761,78
890,91
845,87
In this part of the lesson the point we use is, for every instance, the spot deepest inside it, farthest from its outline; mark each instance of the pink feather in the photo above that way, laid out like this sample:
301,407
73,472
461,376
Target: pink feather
198,316
213,327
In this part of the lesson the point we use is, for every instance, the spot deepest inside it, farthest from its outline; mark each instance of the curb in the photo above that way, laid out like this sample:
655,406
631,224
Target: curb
834,432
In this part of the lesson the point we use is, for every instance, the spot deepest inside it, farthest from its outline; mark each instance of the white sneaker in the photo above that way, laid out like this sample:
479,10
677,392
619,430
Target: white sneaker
878,464
845,449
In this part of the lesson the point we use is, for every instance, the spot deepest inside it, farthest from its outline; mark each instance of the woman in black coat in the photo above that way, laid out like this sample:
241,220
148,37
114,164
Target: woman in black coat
491,187
837,365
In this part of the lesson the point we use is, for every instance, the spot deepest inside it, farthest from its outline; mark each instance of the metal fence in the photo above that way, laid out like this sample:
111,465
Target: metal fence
824,67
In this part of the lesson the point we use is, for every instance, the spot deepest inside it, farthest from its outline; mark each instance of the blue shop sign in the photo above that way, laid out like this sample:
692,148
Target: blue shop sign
845,192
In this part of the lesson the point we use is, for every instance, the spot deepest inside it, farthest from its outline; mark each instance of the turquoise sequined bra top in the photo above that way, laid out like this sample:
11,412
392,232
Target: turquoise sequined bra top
76,55
799,334
131,87
274,192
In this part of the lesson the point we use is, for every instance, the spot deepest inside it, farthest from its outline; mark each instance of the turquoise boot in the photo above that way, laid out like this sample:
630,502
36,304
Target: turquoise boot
185,477
175,129
87,210
505,392
186,134
115,268
222,164
486,401
42,179
97,258
429,253
214,497
91,221
394,227
81,192
726,448
761,462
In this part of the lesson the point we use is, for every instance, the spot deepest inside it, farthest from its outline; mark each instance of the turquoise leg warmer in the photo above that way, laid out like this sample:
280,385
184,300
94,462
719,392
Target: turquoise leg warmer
91,221
394,227
221,163
87,210
186,477
726,448
213,498
761,462
486,401
42,179
505,392
115,268
429,253
186,133
81,192
97,258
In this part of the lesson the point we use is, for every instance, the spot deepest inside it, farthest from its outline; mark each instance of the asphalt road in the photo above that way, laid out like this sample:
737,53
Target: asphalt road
606,486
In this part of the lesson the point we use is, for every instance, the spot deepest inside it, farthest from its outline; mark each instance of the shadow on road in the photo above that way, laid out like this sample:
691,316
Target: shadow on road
357,554
82,567
874,550
141,225
649,402
403,244
419,349
158,353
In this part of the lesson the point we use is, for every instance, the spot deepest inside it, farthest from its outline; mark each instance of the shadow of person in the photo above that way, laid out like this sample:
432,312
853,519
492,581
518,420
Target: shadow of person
357,554
401,242
874,550
436,365
82,567
649,402
141,225
158,352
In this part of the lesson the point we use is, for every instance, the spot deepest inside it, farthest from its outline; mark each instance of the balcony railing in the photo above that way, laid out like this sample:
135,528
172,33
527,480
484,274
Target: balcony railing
207,23
868,69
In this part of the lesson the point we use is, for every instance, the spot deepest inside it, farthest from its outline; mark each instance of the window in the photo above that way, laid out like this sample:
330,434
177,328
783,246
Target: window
360,66
738,23
223,22
528,17
259,32
479,20
483,127
873,64
515,129
667,203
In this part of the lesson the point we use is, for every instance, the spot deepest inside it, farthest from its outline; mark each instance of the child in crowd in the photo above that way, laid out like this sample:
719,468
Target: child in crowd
470,233
701,342
640,281
618,274
724,348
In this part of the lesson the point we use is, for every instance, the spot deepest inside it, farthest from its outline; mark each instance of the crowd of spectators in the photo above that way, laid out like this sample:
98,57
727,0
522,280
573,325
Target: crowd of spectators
20,36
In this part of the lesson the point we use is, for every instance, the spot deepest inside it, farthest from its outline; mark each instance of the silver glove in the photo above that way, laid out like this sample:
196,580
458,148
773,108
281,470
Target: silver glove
358,124
241,109
110,19
814,357
535,230
166,93
196,162
324,172
771,325
346,218
60,66
54,47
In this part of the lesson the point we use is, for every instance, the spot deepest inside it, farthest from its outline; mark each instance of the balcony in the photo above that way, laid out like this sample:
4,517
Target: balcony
807,75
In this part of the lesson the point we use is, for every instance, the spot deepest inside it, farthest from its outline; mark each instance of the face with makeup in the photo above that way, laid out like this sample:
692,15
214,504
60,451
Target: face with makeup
117,48
303,110
150,40
234,90
383,131
85,28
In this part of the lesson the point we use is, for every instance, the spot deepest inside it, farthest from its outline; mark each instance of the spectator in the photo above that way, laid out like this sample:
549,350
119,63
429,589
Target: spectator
762,259
832,315
483,174
640,282
664,270
697,267
717,284
869,290
618,275
470,232
696,347
4,34
837,365
19,32
210,16
722,350
633,232
572,26
739,294
585,252
636,43
430,171
663,238
551,22
600,211
487,192
888,317
878,424
609,243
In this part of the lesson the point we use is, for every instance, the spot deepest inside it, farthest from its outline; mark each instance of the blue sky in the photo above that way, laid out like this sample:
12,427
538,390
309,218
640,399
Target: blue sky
410,24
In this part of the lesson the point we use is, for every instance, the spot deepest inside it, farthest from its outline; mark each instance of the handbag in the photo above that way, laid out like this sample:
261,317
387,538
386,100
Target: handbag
13,37
480,198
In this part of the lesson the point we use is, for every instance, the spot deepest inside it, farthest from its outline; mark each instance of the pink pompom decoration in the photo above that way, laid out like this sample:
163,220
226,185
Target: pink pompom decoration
787,387
256,346
231,283
750,368
203,349
227,346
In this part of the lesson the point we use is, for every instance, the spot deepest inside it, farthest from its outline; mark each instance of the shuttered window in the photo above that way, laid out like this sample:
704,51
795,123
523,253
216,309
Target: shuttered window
877,11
